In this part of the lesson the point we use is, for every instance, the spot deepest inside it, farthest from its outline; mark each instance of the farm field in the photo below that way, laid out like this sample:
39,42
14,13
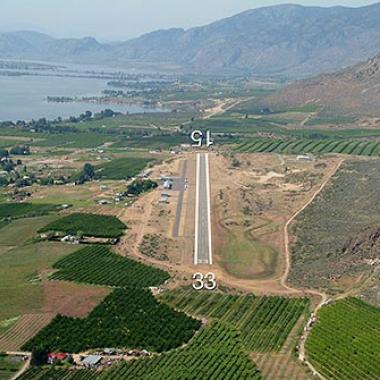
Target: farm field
21,264
9,365
337,262
98,265
313,146
216,352
164,142
148,121
122,168
87,224
83,140
345,341
25,210
22,330
264,322
129,318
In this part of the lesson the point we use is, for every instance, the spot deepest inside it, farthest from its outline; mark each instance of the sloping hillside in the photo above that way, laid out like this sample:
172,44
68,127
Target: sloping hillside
351,92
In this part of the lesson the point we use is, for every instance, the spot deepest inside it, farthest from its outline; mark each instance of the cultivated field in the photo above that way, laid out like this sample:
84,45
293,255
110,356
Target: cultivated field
264,322
129,318
25,210
345,342
215,353
360,148
88,225
24,329
122,168
98,265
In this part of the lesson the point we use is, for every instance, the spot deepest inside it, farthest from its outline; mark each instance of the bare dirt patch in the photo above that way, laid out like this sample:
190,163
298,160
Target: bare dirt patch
253,195
70,299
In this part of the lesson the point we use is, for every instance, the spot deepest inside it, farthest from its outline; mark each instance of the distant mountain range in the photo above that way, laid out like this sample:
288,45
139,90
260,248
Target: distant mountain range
354,91
280,40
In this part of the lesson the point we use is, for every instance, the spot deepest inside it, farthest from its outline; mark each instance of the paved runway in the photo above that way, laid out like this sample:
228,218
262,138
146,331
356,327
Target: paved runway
203,246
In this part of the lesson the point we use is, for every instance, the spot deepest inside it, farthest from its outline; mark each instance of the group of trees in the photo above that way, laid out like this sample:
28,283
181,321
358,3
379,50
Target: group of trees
127,318
87,174
7,164
140,186
94,225
96,264
44,125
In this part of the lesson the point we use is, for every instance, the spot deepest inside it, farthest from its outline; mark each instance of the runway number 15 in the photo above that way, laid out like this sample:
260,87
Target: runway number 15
207,281
200,137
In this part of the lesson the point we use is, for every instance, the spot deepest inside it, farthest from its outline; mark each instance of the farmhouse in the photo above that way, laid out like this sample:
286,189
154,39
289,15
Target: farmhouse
54,358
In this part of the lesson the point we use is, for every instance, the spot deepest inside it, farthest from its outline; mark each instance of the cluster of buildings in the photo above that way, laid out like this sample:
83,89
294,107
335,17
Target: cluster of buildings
96,360
167,185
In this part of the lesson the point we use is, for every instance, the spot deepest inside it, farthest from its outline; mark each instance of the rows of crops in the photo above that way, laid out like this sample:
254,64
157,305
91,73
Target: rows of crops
265,322
357,147
96,264
122,168
216,353
22,330
345,342
88,224
130,318
36,373
25,210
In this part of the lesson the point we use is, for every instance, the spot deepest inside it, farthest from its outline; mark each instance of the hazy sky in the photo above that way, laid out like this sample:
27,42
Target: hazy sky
123,19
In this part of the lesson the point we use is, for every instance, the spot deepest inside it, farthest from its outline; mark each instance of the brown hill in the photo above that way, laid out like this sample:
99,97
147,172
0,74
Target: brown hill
354,91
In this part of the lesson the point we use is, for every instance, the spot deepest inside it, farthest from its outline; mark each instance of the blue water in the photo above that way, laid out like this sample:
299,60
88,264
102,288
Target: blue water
24,97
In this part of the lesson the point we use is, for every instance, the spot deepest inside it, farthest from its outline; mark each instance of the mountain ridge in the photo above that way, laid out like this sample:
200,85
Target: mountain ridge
285,40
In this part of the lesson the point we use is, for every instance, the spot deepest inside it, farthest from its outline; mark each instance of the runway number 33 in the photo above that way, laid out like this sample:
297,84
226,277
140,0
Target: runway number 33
207,281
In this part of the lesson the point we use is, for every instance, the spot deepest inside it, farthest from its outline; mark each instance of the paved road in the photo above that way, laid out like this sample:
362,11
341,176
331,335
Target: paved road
179,185
203,246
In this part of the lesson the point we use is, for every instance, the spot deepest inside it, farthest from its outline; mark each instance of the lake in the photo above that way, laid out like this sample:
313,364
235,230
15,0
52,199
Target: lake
24,97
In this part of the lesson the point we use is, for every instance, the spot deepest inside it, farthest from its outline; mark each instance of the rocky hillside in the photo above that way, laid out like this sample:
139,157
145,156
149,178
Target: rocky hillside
280,40
353,91
365,246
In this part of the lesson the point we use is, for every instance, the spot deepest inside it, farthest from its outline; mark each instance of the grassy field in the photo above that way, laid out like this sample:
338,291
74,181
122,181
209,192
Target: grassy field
264,322
88,225
164,142
345,341
358,147
21,263
349,205
98,265
74,140
245,257
8,143
324,120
